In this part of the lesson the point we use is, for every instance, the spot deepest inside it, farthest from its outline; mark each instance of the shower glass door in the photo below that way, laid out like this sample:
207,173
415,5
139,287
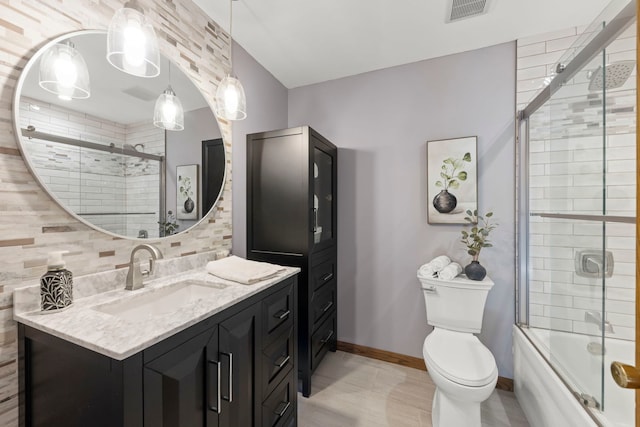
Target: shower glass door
578,215
566,230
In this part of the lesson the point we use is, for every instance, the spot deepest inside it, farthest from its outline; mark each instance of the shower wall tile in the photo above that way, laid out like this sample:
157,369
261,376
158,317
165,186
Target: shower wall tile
566,176
28,215
536,61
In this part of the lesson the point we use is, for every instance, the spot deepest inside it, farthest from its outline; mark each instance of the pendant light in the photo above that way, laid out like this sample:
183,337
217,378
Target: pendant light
132,45
231,103
168,113
64,72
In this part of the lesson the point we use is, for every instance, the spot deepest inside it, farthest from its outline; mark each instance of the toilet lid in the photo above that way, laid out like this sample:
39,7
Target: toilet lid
459,357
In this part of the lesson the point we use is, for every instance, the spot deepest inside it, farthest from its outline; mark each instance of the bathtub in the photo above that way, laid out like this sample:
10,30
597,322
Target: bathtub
543,396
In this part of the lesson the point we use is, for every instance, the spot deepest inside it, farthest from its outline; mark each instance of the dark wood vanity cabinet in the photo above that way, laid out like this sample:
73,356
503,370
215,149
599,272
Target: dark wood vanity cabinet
209,377
236,368
292,220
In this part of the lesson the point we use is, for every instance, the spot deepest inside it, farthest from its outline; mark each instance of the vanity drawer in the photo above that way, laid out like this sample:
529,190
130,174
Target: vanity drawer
277,361
279,408
323,273
322,340
323,302
277,314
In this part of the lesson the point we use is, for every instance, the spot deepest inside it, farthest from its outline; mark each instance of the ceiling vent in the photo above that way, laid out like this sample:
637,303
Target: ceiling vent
140,93
462,9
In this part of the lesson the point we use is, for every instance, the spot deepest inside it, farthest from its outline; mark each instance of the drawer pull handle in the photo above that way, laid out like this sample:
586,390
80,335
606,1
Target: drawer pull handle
280,412
327,277
326,340
218,403
282,314
327,307
230,378
284,361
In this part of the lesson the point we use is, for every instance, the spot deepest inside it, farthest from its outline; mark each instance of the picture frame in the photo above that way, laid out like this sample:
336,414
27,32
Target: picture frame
452,179
187,192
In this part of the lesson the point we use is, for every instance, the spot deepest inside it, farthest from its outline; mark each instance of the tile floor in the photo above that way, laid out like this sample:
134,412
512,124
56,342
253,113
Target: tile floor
354,391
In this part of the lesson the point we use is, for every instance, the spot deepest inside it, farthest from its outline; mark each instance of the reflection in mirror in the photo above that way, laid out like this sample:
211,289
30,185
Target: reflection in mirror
103,159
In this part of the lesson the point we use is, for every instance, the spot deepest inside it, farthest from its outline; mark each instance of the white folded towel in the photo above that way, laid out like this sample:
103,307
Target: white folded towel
450,272
434,266
243,271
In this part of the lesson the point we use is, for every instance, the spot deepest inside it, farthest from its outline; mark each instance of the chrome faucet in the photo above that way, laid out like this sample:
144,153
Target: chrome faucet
134,276
596,317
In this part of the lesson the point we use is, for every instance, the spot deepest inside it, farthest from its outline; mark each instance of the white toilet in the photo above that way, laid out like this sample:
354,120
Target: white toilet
462,368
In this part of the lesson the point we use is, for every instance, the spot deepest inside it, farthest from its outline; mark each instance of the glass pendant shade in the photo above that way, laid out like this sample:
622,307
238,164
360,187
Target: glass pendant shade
132,45
168,113
64,72
231,103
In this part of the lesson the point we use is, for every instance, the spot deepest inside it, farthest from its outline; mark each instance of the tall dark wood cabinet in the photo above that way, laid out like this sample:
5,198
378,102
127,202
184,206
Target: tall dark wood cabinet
292,220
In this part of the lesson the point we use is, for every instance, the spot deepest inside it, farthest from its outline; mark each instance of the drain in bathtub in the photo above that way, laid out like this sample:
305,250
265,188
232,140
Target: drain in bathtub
595,348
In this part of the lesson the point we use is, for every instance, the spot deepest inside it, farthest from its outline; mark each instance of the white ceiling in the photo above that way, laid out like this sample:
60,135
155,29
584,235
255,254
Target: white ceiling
302,42
110,88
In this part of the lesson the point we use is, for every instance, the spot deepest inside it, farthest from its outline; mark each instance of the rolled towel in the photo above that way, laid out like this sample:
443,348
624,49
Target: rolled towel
450,272
243,271
434,266
440,262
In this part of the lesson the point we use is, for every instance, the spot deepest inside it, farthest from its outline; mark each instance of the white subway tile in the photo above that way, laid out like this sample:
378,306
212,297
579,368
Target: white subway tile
530,73
546,36
531,49
561,44
584,304
621,307
563,313
620,294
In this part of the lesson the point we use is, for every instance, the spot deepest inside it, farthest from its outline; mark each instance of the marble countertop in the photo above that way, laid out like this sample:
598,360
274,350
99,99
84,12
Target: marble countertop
119,338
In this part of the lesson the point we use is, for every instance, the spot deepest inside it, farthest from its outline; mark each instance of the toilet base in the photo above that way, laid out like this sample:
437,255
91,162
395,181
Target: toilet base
448,412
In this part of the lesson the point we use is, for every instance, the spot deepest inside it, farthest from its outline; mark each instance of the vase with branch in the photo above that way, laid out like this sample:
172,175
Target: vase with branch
475,239
452,173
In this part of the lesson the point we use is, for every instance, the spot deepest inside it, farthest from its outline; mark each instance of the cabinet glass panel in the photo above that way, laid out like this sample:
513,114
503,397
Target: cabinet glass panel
322,196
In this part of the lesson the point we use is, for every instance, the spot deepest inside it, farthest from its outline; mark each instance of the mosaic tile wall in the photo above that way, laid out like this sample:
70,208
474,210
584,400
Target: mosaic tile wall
571,172
31,223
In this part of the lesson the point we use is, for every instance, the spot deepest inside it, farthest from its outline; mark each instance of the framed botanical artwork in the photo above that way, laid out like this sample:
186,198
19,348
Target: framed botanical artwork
452,179
187,192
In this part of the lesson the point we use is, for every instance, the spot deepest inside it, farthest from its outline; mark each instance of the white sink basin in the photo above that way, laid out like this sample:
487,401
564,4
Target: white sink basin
162,301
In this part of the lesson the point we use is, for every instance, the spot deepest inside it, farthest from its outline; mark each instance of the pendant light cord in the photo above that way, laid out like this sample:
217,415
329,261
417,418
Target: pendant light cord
231,37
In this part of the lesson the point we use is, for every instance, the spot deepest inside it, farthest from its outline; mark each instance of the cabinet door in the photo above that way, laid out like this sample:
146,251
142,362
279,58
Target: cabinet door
277,194
324,175
176,393
238,368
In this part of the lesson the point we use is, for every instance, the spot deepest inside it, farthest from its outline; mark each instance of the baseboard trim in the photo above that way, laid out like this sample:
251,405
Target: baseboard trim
404,360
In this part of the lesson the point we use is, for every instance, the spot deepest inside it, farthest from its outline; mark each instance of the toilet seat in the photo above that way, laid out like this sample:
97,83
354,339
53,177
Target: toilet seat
459,357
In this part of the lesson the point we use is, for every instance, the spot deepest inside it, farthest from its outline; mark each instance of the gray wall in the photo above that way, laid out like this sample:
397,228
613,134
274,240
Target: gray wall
266,110
381,121
185,148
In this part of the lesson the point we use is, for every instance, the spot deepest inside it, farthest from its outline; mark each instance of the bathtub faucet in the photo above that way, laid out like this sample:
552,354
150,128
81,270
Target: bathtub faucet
596,317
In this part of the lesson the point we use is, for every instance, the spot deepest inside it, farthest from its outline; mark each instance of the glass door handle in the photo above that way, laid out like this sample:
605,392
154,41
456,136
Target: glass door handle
626,376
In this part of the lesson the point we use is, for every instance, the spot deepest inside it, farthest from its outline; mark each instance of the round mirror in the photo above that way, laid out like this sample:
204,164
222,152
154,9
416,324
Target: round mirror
113,149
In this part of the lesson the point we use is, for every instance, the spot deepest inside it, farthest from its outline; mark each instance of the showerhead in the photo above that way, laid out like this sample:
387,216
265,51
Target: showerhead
614,76
128,147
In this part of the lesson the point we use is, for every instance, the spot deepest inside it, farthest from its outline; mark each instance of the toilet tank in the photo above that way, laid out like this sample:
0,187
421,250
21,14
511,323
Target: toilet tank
456,305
